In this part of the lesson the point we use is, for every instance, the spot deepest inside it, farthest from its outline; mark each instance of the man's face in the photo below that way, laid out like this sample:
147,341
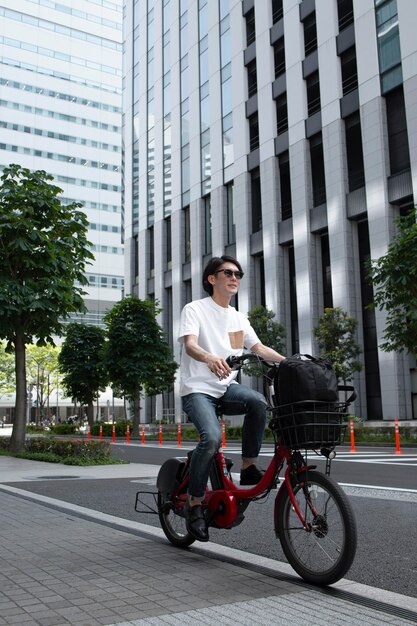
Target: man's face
225,281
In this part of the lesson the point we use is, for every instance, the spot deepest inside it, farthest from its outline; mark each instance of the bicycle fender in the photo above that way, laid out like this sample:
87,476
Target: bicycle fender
282,493
167,480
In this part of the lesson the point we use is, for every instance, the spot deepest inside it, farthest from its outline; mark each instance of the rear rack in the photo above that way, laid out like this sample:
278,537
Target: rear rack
150,509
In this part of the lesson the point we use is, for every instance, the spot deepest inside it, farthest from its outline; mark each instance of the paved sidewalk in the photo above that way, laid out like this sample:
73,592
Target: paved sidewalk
63,564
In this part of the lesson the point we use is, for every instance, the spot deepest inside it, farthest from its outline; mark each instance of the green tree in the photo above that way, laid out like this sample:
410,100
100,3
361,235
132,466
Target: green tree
81,361
7,377
138,357
270,333
394,278
42,375
335,335
43,252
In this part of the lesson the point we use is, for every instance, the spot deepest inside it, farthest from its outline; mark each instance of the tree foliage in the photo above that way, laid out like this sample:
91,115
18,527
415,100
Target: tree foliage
81,361
394,278
335,336
43,253
270,333
138,358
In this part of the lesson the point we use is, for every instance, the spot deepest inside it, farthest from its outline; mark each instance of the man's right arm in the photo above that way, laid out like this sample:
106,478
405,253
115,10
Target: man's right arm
215,364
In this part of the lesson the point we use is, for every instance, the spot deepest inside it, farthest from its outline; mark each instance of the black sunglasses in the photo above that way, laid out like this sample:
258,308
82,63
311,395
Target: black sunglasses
229,273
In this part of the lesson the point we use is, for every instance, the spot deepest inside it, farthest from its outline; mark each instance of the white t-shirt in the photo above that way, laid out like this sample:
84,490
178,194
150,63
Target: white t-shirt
219,330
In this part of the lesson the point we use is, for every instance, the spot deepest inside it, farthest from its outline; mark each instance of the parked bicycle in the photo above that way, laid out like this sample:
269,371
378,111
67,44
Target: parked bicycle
313,518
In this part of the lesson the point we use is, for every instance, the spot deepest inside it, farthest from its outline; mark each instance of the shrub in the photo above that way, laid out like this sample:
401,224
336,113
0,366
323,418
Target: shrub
64,429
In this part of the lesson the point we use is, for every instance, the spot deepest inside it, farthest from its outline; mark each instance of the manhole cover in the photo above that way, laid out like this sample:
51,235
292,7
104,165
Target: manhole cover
56,477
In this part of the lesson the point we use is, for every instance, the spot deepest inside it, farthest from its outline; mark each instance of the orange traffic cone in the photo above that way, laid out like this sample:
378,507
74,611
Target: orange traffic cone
352,437
101,431
143,435
397,438
223,435
128,434
160,434
113,434
179,434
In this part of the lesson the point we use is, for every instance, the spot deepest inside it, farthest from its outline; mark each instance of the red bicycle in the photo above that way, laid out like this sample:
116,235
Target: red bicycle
313,518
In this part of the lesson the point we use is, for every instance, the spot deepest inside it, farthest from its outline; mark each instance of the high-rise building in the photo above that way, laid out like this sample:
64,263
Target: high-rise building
60,111
282,132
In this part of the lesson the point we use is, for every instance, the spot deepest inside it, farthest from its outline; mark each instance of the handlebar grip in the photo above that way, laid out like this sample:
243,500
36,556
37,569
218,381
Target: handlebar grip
234,362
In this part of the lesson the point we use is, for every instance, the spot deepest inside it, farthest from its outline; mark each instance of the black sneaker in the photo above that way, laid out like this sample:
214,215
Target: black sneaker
196,522
251,475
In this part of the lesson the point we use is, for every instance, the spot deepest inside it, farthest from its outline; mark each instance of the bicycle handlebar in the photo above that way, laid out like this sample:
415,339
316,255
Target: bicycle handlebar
235,362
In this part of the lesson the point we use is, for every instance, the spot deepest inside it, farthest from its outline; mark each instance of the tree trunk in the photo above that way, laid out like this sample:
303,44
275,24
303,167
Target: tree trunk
90,414
17,441
136,411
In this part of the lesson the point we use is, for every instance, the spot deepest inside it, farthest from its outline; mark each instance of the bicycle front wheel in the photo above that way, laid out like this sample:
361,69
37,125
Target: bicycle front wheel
173,524
324,551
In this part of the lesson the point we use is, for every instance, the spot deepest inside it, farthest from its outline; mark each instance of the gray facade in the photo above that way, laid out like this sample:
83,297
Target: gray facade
283,133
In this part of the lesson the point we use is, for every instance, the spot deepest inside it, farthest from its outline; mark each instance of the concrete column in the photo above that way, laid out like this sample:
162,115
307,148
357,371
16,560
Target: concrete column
304,244
380,220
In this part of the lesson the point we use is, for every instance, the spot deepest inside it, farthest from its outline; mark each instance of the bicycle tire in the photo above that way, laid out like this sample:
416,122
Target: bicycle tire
323,554
173,524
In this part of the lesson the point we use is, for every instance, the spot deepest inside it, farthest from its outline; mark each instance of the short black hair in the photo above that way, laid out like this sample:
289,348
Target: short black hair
212,266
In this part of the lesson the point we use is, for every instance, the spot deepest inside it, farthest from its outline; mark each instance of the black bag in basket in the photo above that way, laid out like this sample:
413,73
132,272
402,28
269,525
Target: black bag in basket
304,377
307,392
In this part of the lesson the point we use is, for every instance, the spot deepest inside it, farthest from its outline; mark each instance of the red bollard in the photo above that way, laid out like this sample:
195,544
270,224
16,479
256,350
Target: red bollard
223,435
179,434
160,434
88,433
113,434
128,434
143,435
352,437
101,431
397,438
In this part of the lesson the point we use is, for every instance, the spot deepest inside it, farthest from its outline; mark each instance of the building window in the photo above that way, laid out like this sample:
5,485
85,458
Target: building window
399,153
253,132
310,34
252,79
389,52
326,272
313,93
256,201
285,185
279,57
151,253
230,219
354,152
282,113
207,225
317,170
277,11
349,70
250,27
344,13
168,243
187,234
295,340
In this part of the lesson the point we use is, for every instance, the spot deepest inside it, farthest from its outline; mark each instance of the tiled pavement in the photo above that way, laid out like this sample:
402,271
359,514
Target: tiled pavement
61,564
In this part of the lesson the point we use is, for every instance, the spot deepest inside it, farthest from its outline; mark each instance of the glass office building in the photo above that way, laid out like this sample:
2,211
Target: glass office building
282,132
60,111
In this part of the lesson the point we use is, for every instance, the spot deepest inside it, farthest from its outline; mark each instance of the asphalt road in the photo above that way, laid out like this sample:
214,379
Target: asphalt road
386,518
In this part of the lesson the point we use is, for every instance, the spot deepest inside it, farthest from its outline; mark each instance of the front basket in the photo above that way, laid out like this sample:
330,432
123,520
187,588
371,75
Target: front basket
309,424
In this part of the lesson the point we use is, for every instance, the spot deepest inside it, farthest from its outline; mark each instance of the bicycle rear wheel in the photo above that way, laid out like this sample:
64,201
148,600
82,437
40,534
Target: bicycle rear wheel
173,524
324,552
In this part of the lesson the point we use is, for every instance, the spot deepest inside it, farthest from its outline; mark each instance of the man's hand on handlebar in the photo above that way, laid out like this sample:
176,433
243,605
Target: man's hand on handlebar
219,367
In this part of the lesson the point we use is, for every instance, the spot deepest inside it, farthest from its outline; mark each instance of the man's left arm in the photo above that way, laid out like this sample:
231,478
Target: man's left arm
267,353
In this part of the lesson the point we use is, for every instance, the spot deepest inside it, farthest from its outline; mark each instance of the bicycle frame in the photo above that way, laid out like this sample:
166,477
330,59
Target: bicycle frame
224,498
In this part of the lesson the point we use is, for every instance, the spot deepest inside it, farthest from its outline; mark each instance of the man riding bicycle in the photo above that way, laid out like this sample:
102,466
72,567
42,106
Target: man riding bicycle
211,330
